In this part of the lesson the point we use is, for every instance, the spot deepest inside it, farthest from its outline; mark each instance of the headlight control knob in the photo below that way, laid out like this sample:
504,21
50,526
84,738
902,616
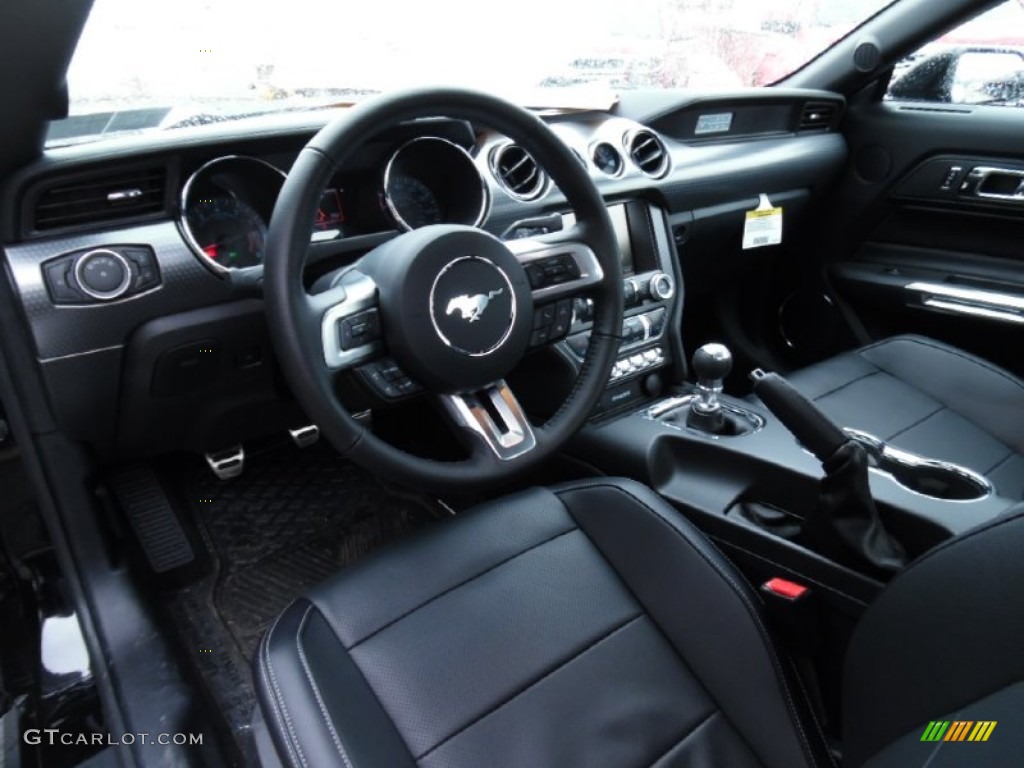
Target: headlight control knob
103,274
661,287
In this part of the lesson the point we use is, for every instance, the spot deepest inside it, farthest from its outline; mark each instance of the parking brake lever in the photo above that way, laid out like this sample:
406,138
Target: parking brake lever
812,428
844,524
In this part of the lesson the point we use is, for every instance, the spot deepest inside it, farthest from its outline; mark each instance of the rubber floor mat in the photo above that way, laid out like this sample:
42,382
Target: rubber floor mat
293,518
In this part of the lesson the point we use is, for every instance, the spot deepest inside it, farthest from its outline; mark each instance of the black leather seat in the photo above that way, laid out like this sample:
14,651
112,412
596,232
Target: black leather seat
930,398
592,625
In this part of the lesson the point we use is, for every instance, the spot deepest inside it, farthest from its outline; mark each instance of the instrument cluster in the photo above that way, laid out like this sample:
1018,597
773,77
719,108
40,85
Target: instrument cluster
226,205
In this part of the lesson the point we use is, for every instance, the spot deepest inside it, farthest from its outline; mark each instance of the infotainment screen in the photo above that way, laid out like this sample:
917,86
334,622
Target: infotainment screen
617,213
634,235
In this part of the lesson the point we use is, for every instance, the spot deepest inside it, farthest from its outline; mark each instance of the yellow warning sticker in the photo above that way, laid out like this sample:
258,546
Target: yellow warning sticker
763,225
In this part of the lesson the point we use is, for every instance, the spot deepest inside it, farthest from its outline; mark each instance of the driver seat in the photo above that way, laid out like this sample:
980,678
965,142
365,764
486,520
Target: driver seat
591,625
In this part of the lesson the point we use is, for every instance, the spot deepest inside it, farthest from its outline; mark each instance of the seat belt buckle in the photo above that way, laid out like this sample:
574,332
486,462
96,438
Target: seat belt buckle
792,614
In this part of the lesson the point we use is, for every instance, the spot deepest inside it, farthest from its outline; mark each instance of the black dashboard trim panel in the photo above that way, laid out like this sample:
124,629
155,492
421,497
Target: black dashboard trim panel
87,344
60,331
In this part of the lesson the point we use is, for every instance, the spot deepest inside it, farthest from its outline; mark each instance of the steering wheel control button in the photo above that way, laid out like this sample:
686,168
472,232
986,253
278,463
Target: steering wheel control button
553,270
359,329
472,306
388,381
551,322
103,274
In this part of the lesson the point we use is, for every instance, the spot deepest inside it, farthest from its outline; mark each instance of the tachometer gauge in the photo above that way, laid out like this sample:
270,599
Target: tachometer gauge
229,232
413,202
225,208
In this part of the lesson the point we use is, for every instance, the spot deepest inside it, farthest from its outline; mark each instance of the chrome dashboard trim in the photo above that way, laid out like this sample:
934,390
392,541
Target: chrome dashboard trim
182,220
485,197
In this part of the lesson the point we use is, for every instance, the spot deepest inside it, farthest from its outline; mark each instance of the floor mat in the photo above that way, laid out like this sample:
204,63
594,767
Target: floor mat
292,519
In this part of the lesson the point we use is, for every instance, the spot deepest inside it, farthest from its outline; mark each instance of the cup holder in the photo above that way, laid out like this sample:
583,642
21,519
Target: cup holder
928,477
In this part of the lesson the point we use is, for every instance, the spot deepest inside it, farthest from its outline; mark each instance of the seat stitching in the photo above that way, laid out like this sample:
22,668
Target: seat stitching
463,583
919,421
956,353
994,523
848,383
516,694
810,707
740,593
686,735
292,742
950,351
1010,454
265,668
316,689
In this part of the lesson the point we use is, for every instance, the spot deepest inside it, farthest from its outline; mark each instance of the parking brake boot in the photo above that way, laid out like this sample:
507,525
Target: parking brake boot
844,524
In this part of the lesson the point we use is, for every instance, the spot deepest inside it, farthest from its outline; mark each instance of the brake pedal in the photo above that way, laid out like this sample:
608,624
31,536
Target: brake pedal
228,463
303,437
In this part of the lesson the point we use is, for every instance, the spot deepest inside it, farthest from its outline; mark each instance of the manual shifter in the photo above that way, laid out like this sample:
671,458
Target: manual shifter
712,364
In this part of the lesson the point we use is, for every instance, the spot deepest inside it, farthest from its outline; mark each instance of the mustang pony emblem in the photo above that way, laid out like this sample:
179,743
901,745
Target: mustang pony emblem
471,307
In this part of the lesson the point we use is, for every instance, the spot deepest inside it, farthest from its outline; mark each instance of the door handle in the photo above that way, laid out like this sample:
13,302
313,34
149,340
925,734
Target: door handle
990,305
992,183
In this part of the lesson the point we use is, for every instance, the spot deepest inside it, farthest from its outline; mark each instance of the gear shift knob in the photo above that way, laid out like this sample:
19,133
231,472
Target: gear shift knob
712,363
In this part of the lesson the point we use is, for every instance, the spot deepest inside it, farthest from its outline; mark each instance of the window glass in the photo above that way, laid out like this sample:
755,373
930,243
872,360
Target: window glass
979,62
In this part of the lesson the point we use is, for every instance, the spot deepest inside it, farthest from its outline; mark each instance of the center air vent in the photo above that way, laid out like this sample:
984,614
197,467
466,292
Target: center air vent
648,152
85,200
517,171
817,116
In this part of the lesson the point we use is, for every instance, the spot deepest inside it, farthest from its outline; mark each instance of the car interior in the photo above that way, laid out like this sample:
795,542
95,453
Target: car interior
428,427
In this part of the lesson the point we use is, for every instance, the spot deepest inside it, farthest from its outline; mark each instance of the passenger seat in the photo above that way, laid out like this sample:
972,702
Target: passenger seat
924,396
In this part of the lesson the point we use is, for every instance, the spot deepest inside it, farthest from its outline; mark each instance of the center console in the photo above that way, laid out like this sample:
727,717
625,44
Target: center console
651,348
744,478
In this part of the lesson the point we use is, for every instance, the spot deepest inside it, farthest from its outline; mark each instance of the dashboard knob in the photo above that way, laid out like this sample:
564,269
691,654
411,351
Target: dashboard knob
661,287
103,274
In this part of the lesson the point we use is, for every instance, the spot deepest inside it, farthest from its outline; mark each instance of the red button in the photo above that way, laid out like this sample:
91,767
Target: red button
787,589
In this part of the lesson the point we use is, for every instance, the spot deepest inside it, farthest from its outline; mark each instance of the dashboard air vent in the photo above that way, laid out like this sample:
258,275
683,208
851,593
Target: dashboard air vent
648,152
817,116
517,171
93,200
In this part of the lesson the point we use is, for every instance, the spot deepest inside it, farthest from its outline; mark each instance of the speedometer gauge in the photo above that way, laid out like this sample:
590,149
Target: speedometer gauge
430,180
414,202
228,231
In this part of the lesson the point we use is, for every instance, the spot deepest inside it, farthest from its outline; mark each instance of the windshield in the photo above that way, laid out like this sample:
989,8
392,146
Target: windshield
162,65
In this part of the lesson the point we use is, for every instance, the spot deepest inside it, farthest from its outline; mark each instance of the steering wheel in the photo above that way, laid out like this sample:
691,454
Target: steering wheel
454,303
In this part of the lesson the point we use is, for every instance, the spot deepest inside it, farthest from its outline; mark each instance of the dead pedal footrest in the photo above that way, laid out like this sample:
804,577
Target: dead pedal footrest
152,518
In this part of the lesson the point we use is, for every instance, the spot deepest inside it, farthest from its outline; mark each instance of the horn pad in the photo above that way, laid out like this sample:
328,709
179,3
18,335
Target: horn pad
455,305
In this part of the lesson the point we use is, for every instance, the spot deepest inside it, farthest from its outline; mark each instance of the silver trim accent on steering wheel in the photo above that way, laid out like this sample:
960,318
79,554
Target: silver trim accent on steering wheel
360,293
509,439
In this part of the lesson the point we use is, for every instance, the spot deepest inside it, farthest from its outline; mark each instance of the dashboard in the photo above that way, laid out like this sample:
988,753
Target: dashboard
138,261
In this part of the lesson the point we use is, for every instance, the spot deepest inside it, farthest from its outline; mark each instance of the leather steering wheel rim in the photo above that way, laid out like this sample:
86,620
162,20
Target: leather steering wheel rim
296,335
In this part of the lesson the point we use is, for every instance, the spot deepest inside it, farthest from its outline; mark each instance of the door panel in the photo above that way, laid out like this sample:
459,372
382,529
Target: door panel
926,232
